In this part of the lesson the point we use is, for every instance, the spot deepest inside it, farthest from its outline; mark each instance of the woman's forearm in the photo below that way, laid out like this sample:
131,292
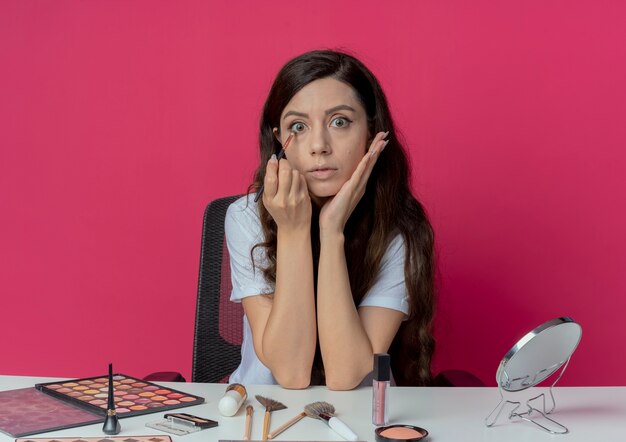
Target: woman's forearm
289,338
345,346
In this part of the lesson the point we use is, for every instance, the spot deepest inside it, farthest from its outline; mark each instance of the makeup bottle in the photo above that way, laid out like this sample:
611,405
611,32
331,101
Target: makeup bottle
234,396
380,389
111,423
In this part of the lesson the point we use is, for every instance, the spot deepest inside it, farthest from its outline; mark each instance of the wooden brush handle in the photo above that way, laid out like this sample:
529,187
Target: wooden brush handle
246,434
266,424
286,425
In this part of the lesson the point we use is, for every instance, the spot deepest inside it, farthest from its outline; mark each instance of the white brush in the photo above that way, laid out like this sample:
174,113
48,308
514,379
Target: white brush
325,412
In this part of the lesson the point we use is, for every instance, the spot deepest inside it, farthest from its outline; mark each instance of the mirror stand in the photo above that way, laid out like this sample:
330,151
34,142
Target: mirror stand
530,409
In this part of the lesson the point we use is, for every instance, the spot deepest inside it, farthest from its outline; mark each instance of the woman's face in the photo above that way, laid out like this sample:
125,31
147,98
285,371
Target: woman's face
331,135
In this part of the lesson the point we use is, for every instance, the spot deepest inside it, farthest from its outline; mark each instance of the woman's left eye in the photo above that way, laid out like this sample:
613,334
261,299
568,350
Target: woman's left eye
340,122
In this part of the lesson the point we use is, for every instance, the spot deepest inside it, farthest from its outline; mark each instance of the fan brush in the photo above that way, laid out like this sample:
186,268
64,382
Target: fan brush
270,405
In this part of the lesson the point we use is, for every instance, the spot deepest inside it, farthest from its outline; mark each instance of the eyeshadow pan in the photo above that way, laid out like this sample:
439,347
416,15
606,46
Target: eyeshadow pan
187,399
131,397
162,391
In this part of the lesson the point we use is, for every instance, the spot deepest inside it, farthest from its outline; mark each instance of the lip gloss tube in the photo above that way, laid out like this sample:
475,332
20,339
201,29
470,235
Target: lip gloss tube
380,389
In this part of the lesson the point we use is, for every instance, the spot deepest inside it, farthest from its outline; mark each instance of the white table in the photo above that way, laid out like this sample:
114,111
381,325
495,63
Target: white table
449,414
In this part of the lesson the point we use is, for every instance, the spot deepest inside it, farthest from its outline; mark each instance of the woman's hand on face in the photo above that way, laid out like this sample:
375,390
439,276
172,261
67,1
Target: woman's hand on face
286,196
336,211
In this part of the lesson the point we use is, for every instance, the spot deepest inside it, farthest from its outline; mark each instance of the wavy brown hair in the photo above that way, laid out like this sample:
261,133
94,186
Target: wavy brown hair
386,209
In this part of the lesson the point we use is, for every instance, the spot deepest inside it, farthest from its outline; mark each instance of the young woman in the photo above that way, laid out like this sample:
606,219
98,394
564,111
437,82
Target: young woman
335,261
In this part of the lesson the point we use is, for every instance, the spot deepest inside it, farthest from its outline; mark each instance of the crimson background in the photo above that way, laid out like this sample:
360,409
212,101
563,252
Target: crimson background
120,120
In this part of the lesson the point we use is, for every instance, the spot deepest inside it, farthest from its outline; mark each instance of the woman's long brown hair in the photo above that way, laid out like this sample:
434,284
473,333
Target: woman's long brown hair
386,209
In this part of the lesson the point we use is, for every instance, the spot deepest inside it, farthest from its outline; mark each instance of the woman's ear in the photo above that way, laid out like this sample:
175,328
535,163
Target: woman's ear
276,134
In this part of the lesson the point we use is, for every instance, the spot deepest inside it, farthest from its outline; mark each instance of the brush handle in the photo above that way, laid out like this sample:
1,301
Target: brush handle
342,429
246,434
266,424
286,425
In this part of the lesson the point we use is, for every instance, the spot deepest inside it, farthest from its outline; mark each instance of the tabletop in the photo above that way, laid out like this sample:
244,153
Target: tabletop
448,413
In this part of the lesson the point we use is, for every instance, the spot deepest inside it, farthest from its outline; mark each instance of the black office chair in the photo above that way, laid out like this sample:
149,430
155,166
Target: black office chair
219,322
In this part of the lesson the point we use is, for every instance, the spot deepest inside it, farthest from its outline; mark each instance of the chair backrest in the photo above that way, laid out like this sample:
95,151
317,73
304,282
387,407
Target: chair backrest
219,322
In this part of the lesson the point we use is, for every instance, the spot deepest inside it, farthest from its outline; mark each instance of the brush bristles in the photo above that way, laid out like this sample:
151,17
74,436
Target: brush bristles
316,409
270,404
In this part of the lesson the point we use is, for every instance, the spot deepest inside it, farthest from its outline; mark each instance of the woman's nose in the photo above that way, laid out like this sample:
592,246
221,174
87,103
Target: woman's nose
320,141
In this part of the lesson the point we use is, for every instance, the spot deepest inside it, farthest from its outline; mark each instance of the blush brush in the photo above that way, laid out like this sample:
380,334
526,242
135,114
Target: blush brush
326,412
280,156
270,405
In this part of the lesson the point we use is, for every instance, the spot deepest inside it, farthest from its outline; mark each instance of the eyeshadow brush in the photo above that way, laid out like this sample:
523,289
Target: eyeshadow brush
280,156
111,422
325,412
246,433
270,405
286,425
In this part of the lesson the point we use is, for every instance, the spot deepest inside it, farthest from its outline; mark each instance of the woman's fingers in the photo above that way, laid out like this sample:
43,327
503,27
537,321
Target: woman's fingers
270,182
284,179
365,167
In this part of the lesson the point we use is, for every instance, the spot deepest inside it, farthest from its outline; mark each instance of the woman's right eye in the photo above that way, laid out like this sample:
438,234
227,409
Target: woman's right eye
297,127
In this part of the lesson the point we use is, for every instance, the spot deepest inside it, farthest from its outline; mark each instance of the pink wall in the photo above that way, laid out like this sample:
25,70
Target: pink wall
120,120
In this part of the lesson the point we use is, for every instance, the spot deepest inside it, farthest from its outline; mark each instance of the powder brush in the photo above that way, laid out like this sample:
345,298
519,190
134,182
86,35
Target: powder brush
325,412
270,405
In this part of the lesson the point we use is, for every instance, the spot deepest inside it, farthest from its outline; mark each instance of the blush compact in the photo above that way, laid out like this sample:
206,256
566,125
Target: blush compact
400,433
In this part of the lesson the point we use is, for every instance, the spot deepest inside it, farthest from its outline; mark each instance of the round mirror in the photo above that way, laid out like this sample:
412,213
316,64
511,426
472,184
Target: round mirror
538,354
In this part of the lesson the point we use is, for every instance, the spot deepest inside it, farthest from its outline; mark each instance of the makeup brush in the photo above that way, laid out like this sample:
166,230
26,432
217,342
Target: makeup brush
111,423
246,433
280,156
270,405
286,425
325,412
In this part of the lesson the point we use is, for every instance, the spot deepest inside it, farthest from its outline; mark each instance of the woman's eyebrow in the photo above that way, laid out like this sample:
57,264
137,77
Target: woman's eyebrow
329,111
340,107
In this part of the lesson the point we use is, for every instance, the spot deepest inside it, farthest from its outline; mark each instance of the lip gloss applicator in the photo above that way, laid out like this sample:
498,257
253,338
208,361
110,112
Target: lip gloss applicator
380,389
280,156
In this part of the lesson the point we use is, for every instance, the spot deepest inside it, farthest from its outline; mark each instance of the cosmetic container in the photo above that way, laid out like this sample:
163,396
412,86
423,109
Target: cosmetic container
380,389
400,433
234,396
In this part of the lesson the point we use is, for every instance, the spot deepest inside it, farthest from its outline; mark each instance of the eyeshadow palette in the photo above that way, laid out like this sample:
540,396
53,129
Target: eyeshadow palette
132,396
98,439
28,411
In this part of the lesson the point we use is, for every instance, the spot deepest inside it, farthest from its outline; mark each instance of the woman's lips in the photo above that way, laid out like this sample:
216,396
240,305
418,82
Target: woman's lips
323,173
